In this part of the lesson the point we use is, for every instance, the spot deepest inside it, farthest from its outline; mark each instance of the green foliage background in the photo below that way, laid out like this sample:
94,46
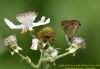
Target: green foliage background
86,11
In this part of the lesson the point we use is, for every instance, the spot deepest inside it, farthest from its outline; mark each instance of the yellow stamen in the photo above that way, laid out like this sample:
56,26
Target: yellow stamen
24,30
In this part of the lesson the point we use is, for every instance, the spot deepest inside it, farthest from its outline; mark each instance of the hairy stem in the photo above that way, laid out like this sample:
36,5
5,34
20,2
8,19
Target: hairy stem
40,60
47,66
50,59
28,60
31,33
62,55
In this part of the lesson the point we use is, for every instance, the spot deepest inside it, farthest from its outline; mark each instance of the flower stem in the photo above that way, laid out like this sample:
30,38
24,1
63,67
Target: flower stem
31,33
62,55
50,59
47,66
40,60
28,60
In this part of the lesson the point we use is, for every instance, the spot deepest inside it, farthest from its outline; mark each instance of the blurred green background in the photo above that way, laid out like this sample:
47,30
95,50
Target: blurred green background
86,11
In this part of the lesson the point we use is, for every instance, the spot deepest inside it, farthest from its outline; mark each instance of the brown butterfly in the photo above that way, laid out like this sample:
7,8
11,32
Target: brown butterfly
70,28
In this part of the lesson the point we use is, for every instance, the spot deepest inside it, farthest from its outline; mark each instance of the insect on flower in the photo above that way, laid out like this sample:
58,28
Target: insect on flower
27,21
70,28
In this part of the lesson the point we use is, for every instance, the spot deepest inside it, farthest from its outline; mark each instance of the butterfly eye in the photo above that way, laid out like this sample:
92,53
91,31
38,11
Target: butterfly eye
77,24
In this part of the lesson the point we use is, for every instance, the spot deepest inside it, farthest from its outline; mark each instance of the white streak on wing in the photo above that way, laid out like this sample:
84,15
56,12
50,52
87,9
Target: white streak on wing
42,23
13,26
67,40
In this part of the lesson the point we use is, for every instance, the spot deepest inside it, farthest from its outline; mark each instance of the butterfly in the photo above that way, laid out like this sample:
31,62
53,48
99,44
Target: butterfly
70,28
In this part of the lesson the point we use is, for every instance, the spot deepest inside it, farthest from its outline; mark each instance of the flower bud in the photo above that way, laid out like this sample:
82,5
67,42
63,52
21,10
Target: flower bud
46,34
11,43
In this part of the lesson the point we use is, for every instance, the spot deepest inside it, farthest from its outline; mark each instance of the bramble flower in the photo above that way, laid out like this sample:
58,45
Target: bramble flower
46,34
11,43
54,53
51,52
11,40
77,42
35,43
38,44
27,21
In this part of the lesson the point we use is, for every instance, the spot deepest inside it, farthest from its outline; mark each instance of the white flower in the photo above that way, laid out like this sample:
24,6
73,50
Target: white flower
77,42
35,43
11,43
54,53
27,21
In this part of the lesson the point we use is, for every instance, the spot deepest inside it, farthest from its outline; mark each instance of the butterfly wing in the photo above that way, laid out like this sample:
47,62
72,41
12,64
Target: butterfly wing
70,28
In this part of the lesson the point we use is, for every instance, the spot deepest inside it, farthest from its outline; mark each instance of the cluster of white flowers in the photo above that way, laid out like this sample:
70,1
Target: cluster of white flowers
42,40
27,21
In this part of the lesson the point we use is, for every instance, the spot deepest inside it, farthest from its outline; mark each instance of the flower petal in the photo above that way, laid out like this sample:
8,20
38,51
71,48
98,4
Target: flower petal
30,28
42,19
34,47
47,21
9,23
15,50
13,26
12,52
34,44
19,48
26,17
44,44
54,53
41,23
